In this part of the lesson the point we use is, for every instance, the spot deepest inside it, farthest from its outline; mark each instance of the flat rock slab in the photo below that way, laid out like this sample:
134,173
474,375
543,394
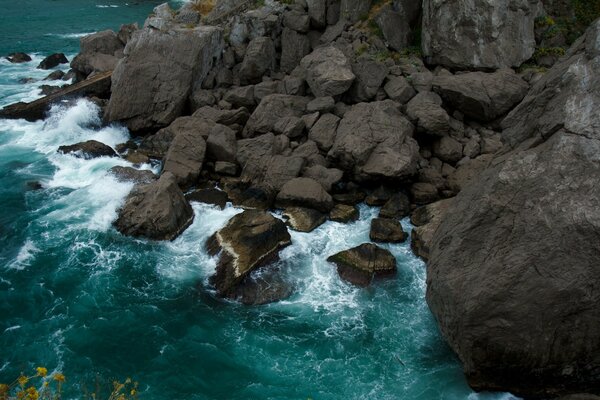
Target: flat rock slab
361,264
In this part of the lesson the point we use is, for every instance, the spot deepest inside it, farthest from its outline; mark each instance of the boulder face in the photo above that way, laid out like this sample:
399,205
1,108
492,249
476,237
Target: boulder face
156,211
89,149
149,89
328,71
249,240
513,275
361,264
479,34
185,157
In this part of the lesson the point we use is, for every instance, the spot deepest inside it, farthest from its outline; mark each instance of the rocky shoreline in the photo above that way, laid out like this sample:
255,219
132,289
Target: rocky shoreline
316,106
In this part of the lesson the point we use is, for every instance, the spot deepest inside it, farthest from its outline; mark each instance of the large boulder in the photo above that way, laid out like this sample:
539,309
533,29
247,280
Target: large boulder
386,230
98,52
361,264
303,219
328,71
151,84
88,149
249,240
482,96
374,140
294,46
52,61
304,192
479,34
258,61
185,157
271,109
513,275
156,211
157,145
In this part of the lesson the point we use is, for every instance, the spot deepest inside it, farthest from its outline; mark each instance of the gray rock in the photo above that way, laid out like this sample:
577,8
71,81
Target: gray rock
448,149
148,90
424,193
304,192
294,46
333,32
17,58
259,60
321,104
374,140
157,211
482,96
398,207
426,221
528,227
398,89
344,213
272,172
328,71
327,177
212,196
310,152
271,109
369,77
226,168
126,32
426,111
221,144
324,130
255,147
224,117
496,35
241,97
291,127
52,61
128,174
361,264
157,145
201,98
395,27
385,230
185,157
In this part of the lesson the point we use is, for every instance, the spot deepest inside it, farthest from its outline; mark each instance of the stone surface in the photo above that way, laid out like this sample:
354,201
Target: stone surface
385,230
249,240
479,34
328,71
513,273
148,89
353,10
327,177
294,47
426,220
221,144
344,213
271,109
361,264
156,211
369,77
482,96
425,109
258,61
185,158
304,192
398,206
89,149
448,149
212,196
303,219
374,140
324,130
53,60
17,58
398,89
98,52
129,174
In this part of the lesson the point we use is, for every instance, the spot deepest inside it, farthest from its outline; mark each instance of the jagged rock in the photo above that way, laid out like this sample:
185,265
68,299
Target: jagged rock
333,32
324,130
296,20
317,10
212,196
157,145
201,98
310,152
304,192
126,32
294,47
478,34
303,219
53,60
254,198
350,197
271,109
374,140
396,22
321,104
468,172
128,174
258,61
291,127
221,144
156,211
249,240
426,220
254,148
344,213
328,71
398,89
89,149
17,58
361,264
185,157
148,89
225,117
241,97
369,77
327,177
398,206
482,96
272,172
99,52
386,230
528,226
427,112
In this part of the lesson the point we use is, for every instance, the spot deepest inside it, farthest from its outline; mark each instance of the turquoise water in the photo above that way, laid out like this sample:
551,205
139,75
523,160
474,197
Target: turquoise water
78,297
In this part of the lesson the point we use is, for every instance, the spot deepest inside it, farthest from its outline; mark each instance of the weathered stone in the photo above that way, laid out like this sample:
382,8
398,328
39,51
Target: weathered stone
448,149
296,20
224,117
185,157
212,196
324,130
221,144
353,10
258,61
291,127
17,58
361,264
426,111
128,174
398,206
226,168
398,89
157,145
156,211
241,97
303,219
321,104
328,71
478,33
327,177
426,220
294,46
369,77
344,213
89,149
424,193
385,230
148,89
304,192
271,109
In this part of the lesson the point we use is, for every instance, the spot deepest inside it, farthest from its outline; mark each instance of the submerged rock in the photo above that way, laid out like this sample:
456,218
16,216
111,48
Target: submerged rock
53,60
249,240
156,211
361,264
17,58
88,150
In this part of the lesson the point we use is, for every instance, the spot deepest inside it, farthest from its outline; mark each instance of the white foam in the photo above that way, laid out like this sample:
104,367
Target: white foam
12,328
70,35
107,6
26,255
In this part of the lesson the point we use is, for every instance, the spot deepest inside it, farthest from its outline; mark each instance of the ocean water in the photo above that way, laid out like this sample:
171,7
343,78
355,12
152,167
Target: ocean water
78,297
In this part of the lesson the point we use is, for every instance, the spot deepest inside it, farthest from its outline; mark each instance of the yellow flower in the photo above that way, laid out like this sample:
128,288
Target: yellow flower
23,380
41,371
59,377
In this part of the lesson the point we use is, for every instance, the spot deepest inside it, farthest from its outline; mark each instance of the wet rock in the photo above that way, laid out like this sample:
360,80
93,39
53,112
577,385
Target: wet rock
17,58
426,221
328,71
398,207
482,96
304,192
88,150
226,168
156,211
264,285
448,149
424,193
379,196
344,213
52,61
303,219
128,174
249,240
386,230
212,196
361,264
55,75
